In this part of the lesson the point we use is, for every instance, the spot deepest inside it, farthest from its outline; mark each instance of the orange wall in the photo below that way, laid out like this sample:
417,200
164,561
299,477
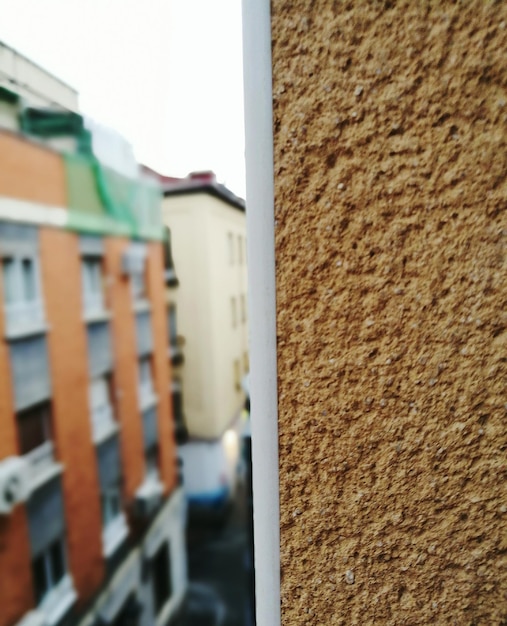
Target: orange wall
125,372
16,595
8,435
16,590
31,172
162,367
60,261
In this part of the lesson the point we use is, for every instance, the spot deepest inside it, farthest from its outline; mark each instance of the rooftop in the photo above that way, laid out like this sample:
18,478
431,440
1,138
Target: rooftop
196,182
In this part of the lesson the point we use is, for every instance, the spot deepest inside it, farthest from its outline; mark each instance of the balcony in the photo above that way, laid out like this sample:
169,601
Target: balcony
147,396
24,318
94,308
176,353
114,534
42,464
58,601
103,423
149,495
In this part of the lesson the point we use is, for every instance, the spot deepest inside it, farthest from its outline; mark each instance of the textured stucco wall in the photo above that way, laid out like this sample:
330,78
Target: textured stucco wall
390,194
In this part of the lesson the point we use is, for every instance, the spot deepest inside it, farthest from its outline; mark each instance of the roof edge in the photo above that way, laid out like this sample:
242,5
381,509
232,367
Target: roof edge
213,189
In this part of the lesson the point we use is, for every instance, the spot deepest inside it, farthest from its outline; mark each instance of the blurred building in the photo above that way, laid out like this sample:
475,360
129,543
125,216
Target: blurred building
91,514
34,84
208,225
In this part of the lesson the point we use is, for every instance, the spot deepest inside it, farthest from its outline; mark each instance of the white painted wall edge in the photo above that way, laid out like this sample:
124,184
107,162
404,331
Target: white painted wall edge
262,305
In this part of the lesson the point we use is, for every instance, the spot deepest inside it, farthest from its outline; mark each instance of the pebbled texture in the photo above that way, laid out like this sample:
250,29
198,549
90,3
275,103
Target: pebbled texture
390,196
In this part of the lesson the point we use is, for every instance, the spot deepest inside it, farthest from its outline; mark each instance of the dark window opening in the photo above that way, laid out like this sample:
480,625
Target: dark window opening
34,427
161,575
129,613
151,456
48,569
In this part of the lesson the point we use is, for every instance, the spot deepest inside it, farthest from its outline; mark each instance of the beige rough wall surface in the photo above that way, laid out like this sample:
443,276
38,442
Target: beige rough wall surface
390,196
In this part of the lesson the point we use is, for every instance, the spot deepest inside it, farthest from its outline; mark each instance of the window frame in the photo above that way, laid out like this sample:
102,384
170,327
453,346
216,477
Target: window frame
240,250
230,240
22,313
103,415
51,580
41,457
112,494
138,287
237,374
152,460
173,324
46,419
243,308
161,576
93,283
234,312
146,387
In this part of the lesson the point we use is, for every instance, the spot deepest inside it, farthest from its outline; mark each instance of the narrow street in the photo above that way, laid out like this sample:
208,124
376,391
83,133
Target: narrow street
218,562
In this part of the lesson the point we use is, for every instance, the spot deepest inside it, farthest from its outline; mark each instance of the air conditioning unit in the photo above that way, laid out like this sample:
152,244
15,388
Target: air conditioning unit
14,483
33,618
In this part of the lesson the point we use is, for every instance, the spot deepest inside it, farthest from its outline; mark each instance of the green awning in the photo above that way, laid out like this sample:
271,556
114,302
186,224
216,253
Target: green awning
6,95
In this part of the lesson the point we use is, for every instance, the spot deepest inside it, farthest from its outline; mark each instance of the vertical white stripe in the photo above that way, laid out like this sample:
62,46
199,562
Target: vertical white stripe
262,305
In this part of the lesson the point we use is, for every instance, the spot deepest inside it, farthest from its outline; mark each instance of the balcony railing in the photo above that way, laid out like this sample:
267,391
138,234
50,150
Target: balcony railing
41,460
114,534
103,421
147,395
94,303
22,317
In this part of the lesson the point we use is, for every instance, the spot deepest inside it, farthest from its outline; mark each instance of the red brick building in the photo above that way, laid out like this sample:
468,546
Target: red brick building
91,513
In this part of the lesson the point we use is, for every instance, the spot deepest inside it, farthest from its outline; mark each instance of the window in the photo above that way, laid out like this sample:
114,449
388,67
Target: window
129,613
134,266
138,285
237,375
146,393
91,273
233,312
29,288
30,371
173,333
177,397
101,405
240,250
145,371
48,569
19,279
151,456
161,577
143,333
243,308
21,292
34,434
46,527
9,279
111,504
246,364
231,248
33,427
115,528
100,357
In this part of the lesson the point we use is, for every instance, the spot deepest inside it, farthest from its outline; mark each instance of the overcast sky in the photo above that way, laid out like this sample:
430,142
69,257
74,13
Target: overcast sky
166,74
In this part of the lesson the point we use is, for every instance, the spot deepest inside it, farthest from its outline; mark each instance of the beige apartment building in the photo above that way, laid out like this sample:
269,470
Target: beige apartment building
208,233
